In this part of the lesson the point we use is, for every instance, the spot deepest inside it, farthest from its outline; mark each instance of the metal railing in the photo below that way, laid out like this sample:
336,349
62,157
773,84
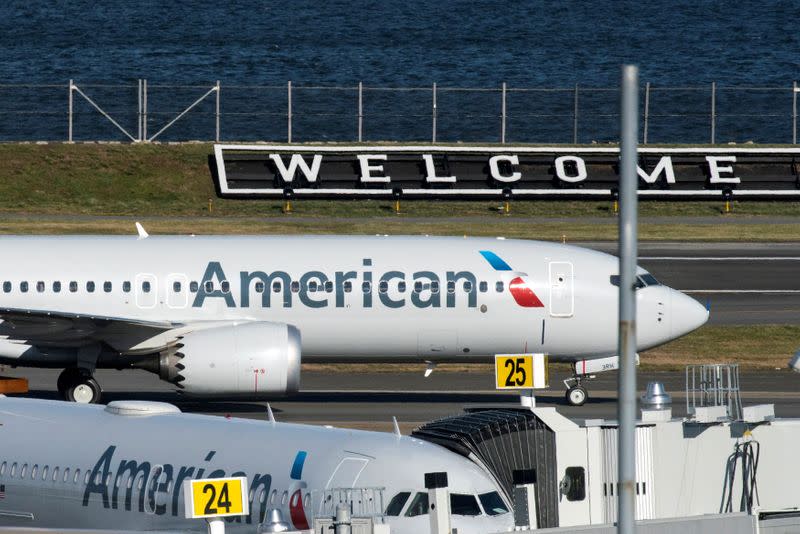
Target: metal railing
712,385
580,114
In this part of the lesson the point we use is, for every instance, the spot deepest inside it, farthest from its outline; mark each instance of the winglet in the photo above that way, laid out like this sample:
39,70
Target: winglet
270,415
142,232
396,428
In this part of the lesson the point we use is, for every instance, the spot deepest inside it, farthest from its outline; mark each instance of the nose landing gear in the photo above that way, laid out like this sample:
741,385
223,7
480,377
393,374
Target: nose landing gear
576,394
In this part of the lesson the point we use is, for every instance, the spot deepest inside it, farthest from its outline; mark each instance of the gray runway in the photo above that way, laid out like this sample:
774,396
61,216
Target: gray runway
742,283
370,400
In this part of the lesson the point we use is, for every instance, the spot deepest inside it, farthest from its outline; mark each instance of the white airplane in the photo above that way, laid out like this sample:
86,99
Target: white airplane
232,315
107,471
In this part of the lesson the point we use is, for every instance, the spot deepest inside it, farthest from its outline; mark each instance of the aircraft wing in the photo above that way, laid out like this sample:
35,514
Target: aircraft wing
56,328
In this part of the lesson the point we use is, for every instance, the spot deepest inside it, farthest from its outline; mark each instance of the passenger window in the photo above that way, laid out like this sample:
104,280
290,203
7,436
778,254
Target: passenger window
2,469
208,286
397,503
193,287
73,287
76,476
226,286
366,287
145,287
417,287
464,505
107,287
66,475
44,472
401,286
34,471
90,287
383,286
56,287
126,286
328,286
419,506
23,470
435,286
312,285
483,287
493,504
498,287
13,470
259,287
573,485
6,287
176,287
86,478
348,286
295,286
451,286
55,473
276,287
23,286
40,287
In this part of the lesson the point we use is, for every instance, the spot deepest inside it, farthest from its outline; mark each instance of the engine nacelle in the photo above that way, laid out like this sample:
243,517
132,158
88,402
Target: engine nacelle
249,359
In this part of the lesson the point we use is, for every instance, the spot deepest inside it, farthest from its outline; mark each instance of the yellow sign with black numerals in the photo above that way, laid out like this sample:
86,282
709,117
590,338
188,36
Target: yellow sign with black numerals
216,497
520,371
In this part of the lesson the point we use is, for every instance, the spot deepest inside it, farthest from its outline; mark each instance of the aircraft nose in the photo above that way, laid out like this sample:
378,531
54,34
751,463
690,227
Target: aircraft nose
686,313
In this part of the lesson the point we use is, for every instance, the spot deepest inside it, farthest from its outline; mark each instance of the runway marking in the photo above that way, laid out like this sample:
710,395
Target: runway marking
720,258
731,291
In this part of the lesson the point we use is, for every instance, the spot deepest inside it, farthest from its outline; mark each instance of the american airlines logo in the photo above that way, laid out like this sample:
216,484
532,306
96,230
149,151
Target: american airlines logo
317,289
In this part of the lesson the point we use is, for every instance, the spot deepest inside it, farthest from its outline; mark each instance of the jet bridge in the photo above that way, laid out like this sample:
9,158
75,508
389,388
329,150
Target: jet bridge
503,441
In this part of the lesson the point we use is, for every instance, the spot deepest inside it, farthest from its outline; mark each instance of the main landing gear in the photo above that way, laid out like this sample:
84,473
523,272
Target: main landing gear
576,394
76,384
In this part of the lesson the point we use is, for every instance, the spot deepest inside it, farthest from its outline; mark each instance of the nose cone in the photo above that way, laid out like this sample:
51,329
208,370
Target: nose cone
687,314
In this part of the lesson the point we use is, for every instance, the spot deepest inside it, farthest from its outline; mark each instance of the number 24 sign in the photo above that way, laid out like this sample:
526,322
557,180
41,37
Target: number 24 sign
216,497
520,371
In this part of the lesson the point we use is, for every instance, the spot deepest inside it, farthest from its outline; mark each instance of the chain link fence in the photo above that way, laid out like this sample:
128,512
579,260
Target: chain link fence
144,112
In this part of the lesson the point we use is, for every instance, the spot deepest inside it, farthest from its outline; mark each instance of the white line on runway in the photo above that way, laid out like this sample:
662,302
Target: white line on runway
772,291
719,258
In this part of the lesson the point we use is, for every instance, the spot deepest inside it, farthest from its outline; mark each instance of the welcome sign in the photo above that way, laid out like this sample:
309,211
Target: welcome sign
499,171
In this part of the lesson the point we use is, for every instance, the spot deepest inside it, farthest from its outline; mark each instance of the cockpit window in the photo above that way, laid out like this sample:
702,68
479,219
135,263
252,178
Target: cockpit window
643,280
464,505
397,503
493,504
419,506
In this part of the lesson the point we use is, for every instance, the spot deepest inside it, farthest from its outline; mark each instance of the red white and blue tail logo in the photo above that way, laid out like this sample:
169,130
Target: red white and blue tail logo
522,293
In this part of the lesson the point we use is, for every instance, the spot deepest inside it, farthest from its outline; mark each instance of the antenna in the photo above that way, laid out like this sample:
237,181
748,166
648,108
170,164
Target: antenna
142,232
396,428
270,415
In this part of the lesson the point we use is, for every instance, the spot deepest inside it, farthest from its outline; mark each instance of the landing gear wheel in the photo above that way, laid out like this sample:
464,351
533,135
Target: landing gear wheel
576,396
68,376
83,389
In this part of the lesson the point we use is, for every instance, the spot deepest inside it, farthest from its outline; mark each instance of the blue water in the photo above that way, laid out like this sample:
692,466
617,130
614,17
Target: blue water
400,44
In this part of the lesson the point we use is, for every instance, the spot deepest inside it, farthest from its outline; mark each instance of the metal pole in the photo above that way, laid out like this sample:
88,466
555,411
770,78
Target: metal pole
69,113
360,111
627,301
575,118
794,113
503,116
646,111
289,111
139,110
144,109
433,134
216,114
713,111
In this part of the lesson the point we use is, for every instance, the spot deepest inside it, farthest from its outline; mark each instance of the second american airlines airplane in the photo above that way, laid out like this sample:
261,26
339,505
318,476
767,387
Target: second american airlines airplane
233,315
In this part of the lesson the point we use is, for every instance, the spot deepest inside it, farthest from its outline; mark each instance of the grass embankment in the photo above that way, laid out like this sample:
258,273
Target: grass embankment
172,184
754,348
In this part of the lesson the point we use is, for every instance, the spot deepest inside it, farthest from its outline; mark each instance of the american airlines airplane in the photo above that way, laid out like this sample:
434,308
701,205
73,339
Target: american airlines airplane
232,316
108,472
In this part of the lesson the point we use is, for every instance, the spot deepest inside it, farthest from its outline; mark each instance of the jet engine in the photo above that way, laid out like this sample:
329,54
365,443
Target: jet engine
243,360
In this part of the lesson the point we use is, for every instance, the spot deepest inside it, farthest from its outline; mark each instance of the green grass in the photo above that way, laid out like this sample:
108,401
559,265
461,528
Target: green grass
174,181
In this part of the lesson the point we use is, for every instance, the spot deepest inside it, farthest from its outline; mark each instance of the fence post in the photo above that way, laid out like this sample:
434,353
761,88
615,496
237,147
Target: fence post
794,113
216,114
713,112
646,111
575,118
503,116
144,110
360,110
433,112
289,111
69,113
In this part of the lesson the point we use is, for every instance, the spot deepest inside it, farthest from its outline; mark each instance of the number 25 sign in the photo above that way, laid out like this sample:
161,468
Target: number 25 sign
520,371
216,497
